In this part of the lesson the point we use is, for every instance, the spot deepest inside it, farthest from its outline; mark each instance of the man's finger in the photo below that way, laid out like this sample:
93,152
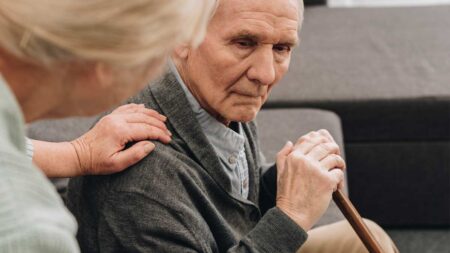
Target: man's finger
322,150
282,155
132,155
341,185
333,161
306,144
327,135
337,176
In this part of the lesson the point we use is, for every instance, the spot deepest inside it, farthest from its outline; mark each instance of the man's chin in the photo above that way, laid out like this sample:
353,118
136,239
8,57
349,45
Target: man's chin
243,117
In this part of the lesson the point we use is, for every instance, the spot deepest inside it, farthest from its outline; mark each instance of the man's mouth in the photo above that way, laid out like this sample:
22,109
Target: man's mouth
251,95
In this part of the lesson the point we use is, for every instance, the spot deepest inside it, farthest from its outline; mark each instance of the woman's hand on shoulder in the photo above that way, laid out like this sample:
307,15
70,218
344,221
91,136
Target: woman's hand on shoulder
104,149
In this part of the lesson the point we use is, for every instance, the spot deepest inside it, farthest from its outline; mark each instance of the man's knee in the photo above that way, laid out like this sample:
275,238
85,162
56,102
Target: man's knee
341,238
381,236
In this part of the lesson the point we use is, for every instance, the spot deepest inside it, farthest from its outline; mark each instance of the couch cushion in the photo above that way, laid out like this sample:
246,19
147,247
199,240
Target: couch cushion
59,130
387,120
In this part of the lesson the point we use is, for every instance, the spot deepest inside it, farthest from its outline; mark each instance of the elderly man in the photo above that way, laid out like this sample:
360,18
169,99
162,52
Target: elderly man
207,190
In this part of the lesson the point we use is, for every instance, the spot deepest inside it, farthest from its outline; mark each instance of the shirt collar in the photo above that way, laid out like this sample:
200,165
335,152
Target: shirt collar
226,142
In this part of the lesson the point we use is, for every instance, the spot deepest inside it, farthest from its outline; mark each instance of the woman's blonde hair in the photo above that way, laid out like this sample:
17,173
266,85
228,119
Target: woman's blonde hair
123,32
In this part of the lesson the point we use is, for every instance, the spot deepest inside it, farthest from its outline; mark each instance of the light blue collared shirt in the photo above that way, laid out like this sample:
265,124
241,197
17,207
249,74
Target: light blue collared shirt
228,144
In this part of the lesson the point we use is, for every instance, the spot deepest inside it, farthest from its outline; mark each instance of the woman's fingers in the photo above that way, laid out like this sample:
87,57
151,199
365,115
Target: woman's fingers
139,117
142,131
130,156
139,108
127,108
153,113
104,151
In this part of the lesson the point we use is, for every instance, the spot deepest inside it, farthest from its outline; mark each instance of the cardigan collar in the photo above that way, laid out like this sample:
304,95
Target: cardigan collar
171,98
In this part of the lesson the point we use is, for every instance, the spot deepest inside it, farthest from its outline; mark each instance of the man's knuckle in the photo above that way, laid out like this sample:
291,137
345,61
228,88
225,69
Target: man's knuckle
304,138
334,145
336,159
313,134
342,161
280,154
297,157
324,139
323,131
325,147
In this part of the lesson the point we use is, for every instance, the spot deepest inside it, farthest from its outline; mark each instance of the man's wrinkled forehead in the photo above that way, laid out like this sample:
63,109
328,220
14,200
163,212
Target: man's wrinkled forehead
282,17
290,9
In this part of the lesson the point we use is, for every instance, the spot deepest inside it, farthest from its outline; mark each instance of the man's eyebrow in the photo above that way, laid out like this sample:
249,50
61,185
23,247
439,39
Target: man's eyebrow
246,35
292,41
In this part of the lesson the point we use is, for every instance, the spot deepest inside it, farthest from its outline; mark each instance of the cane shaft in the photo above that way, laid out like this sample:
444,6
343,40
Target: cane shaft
355,220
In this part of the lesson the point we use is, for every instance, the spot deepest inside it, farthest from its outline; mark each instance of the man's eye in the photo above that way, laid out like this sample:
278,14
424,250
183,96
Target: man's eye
282,48
245,43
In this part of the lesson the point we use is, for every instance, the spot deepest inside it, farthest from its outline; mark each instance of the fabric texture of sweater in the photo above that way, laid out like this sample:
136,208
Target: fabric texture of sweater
178,198
32,216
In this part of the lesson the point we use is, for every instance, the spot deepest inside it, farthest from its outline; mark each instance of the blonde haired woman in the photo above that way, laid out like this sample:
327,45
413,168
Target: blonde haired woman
68,57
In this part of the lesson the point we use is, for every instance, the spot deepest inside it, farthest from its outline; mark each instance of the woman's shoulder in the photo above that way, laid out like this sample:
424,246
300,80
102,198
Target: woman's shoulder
30,203
11,121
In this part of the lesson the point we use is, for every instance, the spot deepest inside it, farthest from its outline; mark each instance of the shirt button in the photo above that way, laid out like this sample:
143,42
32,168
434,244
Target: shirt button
232,159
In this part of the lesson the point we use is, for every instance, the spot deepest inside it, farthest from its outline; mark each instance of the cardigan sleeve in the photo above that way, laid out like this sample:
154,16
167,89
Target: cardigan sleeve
268,189
131,222
32,217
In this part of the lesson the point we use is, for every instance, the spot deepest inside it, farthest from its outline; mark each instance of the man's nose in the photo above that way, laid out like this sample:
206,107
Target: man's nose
262,70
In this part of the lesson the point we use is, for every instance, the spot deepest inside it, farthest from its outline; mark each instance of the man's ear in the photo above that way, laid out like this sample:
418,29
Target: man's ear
182,51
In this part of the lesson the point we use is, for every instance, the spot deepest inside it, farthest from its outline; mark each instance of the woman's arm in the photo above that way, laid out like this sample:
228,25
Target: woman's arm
103,149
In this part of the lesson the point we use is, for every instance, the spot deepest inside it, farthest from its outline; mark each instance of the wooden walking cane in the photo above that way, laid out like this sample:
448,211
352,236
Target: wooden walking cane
353,217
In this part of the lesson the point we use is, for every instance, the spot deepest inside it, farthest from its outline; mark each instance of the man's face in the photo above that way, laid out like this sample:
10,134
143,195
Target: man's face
246,51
